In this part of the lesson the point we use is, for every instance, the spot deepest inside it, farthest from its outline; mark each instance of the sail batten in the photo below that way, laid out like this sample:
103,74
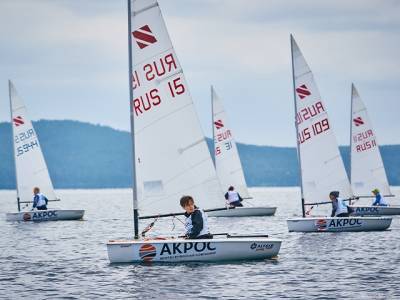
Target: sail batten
322,168
171,154
367,169
30,167
227,160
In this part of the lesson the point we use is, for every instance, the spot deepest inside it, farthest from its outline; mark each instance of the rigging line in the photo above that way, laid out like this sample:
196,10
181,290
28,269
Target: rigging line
175,217
149,227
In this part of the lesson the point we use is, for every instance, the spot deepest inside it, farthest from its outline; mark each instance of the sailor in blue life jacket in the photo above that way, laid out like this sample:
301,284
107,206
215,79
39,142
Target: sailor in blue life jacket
196,225
379,200
39,200
339,208
233,197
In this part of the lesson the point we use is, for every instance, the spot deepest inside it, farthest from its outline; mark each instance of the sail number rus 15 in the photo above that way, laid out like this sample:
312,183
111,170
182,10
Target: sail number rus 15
25,141
316,128
157,69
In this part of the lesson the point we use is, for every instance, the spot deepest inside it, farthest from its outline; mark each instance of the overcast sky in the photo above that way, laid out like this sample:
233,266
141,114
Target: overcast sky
68,60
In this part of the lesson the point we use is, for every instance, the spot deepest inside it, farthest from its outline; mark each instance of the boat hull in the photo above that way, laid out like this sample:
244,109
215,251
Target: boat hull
244,212
181,250
376,210
324,224
46,215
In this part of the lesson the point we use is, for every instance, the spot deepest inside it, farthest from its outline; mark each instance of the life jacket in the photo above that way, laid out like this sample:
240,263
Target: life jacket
189,225
341,207
233,196
41,201
381,201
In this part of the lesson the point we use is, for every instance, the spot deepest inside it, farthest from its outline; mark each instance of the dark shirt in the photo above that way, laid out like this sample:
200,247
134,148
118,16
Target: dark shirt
197,223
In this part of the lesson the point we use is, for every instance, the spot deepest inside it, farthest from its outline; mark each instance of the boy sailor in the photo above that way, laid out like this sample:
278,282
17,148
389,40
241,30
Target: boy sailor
339,208
379,200
39,200
196,220
233,197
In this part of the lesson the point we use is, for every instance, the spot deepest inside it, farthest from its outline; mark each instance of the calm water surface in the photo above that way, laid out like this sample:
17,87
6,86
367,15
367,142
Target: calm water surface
68,260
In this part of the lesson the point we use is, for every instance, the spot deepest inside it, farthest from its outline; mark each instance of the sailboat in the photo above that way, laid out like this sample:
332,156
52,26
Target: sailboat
367,169
228,166
170,154
321,166
30,167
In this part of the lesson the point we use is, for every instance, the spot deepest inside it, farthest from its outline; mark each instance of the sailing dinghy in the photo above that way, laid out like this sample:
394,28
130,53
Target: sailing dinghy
321,166
170,153
30,168
367,169
228,166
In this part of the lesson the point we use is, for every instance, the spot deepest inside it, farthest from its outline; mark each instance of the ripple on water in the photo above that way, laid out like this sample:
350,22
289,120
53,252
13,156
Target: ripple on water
68,260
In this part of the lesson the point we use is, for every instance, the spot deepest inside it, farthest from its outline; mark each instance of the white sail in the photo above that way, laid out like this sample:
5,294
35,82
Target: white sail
322,168
172,157
30,166
367,169
227,161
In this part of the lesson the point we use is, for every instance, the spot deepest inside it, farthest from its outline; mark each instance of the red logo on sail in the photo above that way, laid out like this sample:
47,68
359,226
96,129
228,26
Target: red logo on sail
18,121
147,252
303,91
219,124
358,121
144,36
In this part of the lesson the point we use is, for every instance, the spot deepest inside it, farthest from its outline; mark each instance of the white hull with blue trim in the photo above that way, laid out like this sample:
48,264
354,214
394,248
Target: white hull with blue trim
375,210
254,211
336,224
46,215
181,250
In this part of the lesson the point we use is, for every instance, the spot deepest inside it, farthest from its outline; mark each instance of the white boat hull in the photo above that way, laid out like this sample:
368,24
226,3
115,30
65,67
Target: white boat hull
46,215
324,224
376,210
181,250
244,212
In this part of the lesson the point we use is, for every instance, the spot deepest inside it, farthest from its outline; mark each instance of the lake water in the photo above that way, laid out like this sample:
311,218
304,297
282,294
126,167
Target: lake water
68,260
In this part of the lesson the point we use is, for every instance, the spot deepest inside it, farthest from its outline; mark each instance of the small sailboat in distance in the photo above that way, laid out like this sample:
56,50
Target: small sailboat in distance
30,168
228,166
170,154
367,171
321,166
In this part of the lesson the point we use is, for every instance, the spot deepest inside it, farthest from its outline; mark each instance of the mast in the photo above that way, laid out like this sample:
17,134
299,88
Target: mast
297,129
212,124
351,131
134,186
12,131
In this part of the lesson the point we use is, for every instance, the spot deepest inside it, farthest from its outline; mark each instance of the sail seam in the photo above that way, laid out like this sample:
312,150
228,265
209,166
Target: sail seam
135,13
163,117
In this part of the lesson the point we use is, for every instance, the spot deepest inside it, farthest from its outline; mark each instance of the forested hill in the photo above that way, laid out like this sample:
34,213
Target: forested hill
83,155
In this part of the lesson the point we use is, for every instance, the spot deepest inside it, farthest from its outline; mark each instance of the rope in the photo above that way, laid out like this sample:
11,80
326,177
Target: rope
149,227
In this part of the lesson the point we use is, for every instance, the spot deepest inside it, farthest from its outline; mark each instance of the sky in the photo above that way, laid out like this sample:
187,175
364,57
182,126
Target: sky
69,60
